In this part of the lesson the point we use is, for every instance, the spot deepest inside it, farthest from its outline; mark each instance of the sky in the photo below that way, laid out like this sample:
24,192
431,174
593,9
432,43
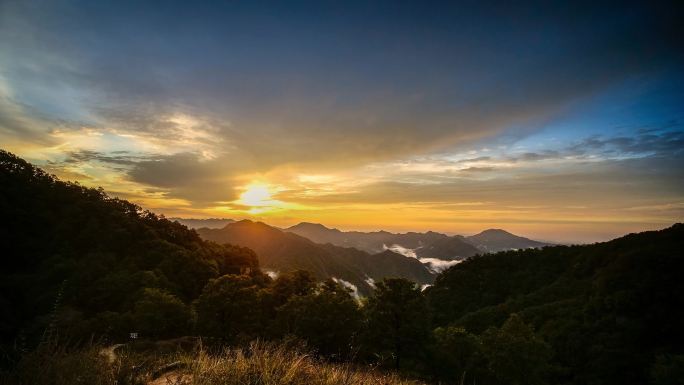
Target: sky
558,122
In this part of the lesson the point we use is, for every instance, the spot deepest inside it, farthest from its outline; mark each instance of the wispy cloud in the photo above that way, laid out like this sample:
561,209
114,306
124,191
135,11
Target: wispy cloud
355,119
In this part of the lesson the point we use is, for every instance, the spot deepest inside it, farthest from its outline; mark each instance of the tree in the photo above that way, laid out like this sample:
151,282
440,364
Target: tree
229,308
515,354
456,355
328,319
668,370
161,315
397,320
101,252
298,282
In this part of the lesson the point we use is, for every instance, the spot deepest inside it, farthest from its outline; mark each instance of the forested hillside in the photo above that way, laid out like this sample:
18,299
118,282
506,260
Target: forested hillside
423,245
370,242
282,252
608,311
76,257
495,240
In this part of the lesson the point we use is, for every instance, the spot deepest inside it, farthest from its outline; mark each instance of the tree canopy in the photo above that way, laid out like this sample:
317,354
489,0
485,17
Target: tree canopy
74,255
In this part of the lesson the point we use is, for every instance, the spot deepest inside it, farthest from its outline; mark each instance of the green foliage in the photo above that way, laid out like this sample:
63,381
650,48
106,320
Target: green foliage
161,315
457,356
606,310
230,308
99,252
329,319
511,354
297,283
515,355
237,309
668,370
397,323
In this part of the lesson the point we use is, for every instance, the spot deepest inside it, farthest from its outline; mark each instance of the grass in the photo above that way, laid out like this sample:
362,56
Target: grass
259,364
59,365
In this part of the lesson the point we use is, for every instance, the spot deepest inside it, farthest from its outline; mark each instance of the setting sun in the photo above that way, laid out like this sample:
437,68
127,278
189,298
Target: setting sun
256,195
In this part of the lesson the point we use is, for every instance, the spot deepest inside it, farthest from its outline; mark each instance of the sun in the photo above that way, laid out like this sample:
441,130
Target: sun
257,195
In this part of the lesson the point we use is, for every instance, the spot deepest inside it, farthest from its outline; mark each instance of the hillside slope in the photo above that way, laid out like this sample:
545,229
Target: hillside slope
283,251
382,265
449,248
75,249
608,310
371,242
212,223
425,245
495,240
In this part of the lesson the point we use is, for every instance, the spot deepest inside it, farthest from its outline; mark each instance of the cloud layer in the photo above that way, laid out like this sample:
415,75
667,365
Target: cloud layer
443,116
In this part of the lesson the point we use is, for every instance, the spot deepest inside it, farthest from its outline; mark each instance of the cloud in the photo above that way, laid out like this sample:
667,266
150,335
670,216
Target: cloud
272,273
437,265
477,169
188,176
121,158
562,184
281,104
20,124
348,285
420,109
534,156
399,249
649,142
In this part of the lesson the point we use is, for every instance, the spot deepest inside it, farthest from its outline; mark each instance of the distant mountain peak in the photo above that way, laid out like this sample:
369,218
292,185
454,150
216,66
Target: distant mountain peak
283,251
314,231
241,222
310,225
249,225
493,240
197,223
427,245
495,231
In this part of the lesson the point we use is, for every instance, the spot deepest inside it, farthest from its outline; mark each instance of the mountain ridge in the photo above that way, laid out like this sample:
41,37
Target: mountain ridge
429,244
196,223
495,240
284,251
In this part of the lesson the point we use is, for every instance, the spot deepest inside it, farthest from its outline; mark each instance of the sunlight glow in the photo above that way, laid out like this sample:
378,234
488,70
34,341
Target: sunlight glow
256,195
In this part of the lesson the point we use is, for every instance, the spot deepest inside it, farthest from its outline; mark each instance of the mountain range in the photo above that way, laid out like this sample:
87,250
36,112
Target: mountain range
425,245
359,258
212,223
280,251
495,240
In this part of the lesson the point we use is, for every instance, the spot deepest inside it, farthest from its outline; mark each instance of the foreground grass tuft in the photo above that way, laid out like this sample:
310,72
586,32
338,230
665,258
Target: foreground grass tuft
259,364
265,364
